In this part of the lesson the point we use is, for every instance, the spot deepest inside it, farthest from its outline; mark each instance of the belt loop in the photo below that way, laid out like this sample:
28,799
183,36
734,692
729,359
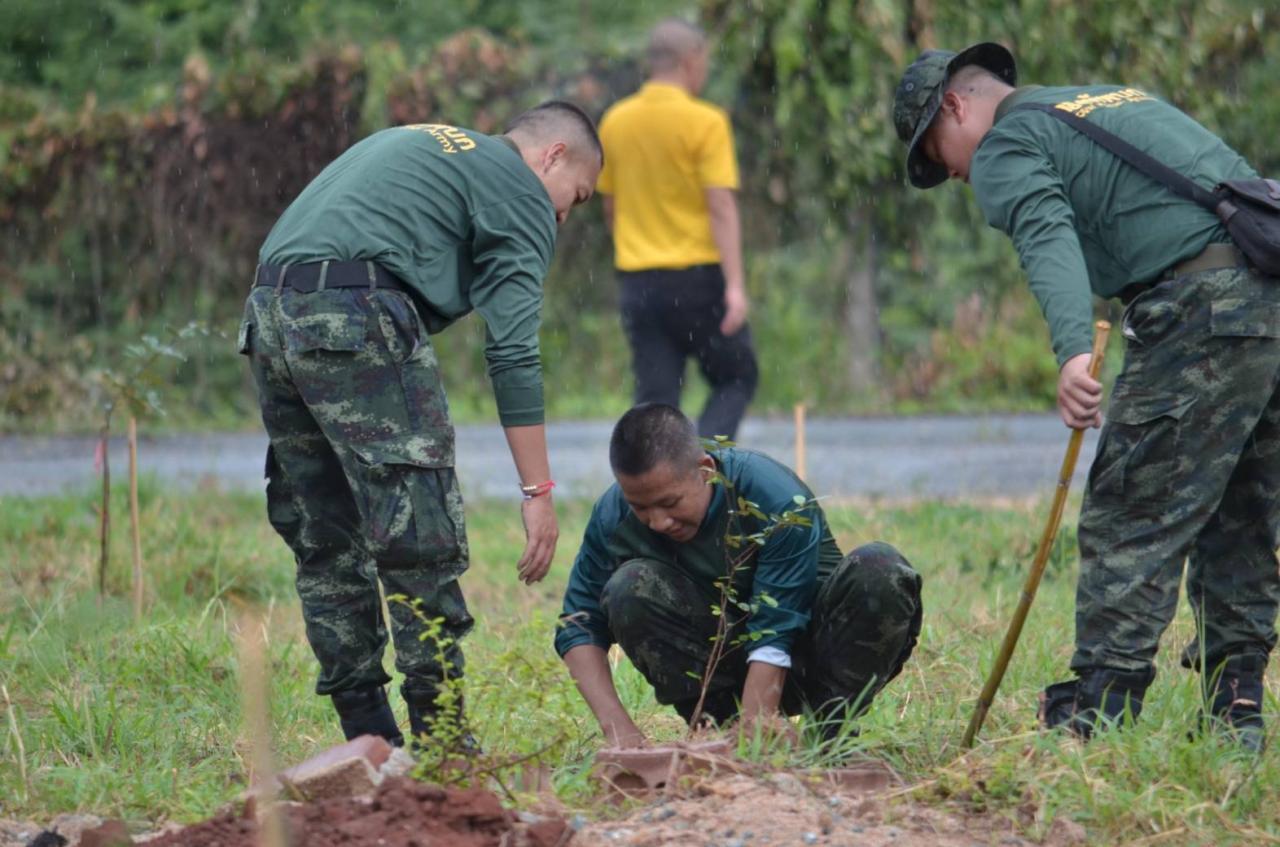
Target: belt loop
373,275
324,272
257,270
284,269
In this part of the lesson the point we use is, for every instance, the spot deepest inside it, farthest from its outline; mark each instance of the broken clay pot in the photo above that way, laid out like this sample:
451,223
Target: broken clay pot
635,772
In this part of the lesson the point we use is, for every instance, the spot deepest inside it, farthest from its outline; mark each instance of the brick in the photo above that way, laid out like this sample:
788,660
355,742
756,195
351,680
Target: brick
347,770
371,748
110,834
635,771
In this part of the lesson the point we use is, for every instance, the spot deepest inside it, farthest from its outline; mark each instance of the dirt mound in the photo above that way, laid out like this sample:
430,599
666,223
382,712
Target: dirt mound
742,811
402,813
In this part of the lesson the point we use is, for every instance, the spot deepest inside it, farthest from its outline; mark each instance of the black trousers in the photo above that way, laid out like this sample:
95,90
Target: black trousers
670,315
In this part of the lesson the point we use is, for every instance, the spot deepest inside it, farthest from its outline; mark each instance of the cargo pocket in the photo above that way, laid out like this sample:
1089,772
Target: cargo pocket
410,504
1138,455
243,340
282,512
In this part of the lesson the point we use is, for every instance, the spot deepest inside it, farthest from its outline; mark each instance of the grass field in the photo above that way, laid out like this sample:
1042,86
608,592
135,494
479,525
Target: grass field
141,719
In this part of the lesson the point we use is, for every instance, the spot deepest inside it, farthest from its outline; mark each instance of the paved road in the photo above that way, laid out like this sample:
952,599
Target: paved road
930,457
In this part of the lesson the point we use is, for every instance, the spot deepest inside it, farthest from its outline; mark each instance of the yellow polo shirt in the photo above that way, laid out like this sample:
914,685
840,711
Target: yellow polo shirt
662,149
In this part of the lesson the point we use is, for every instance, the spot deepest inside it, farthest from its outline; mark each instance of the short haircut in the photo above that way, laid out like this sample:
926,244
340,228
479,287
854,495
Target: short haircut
974,79
650,434
670,41
559,120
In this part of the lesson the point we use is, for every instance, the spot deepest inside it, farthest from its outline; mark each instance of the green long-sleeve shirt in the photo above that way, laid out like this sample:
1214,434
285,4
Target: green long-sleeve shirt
460,218
1082,220
789,568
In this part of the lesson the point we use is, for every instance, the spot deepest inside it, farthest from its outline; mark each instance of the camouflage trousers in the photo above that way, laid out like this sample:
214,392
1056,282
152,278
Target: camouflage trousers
1187,470
863,626
360,479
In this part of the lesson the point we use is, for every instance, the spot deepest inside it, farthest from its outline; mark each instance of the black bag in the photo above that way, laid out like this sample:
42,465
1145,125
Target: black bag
1248,208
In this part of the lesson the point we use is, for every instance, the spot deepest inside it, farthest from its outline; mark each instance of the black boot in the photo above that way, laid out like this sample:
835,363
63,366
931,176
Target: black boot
433,723
365,711
1234,694
1097,699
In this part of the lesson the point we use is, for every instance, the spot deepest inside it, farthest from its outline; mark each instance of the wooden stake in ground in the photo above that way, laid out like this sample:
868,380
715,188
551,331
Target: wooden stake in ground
800,452
17,737
257,721
1101,330
134,518
104,515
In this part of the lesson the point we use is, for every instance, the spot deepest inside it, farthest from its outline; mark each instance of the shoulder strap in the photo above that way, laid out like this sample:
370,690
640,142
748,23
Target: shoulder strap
1160,172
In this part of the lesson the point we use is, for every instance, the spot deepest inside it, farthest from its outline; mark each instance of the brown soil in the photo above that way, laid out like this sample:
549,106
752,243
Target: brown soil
402,813
742,811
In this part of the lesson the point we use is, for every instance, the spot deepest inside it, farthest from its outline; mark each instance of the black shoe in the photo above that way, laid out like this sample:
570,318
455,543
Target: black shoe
436,725
1234,694
1095,700
365,711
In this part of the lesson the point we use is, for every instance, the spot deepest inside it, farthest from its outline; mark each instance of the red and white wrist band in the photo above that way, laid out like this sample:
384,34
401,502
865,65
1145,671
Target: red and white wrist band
531,491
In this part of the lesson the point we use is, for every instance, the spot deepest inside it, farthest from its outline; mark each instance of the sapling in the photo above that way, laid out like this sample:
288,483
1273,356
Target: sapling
741,547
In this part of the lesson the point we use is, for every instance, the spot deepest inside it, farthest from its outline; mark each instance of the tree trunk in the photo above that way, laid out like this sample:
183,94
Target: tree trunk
858,260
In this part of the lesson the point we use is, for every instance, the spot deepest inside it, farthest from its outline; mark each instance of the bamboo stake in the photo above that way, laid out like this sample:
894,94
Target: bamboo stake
104,523
800,446
17,737
1101,330
253,684
134,518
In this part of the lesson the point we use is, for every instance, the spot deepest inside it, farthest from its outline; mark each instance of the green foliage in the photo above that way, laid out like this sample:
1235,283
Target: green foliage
137,382
131,49
140,169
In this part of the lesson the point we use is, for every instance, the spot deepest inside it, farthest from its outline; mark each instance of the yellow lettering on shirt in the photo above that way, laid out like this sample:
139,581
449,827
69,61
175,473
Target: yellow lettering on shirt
451,138
1086,103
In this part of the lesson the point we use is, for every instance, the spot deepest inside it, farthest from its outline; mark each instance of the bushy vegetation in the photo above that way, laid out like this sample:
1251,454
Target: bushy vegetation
141,165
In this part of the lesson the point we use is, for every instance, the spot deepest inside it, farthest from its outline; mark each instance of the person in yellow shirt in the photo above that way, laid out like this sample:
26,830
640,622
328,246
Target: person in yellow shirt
669,183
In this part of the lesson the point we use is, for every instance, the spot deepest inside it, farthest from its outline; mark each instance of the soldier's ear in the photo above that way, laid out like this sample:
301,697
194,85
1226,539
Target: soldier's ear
955,106
556,153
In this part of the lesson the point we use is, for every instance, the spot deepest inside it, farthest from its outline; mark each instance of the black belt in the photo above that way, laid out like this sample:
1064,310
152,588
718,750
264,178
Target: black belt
317,276
1216,256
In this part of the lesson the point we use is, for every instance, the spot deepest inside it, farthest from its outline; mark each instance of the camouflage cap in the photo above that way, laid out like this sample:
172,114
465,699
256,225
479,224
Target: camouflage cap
919,96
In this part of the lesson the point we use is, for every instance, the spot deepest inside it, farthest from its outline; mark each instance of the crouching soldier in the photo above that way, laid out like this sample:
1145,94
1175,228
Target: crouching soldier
823,632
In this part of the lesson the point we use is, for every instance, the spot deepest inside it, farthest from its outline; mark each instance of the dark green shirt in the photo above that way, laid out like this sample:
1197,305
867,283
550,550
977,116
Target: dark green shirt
456,215
789,568
1082,220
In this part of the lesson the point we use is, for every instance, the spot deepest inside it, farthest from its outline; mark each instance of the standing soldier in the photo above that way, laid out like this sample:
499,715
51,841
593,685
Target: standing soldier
1189,461
668,187
402,235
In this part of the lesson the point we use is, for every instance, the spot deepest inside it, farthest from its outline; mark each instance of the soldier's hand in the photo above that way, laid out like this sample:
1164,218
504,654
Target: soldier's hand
735,310
1079,395
540,534
772,729
626,738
